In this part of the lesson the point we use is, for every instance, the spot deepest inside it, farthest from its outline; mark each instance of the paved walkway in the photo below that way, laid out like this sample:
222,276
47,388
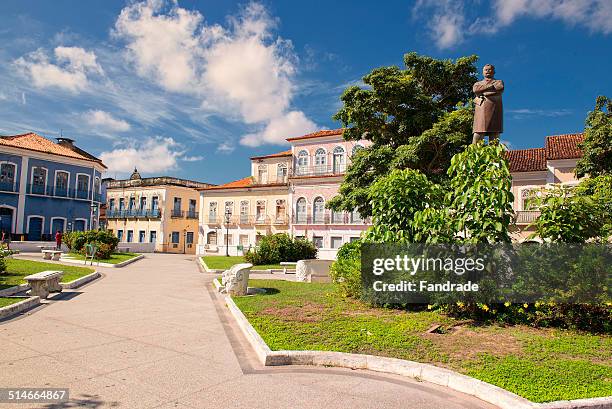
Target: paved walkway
154,335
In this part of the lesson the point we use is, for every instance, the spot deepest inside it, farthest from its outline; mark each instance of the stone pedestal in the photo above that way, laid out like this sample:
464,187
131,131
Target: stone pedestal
236,279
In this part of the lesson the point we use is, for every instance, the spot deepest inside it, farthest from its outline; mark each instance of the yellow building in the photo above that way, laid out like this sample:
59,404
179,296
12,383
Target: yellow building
154,214
254,206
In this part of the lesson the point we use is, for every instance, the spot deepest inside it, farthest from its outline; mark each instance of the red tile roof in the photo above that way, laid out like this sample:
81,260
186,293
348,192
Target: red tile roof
563,146
35,142
318,134
274,155
527,160
241,183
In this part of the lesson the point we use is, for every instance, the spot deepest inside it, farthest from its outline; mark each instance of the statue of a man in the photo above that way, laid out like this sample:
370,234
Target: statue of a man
489,115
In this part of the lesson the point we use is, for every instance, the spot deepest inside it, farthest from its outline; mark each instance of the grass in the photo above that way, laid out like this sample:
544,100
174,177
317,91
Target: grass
17,269
115,258
5,302
541,365
224,262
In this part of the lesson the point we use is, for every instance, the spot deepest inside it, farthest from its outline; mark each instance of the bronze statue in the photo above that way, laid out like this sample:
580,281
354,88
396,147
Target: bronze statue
488,115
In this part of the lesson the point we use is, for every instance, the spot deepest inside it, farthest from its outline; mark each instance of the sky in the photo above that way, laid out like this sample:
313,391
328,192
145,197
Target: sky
193,89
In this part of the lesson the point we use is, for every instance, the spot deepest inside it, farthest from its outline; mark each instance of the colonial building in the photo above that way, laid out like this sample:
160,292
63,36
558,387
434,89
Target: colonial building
235,215
155,213
47,186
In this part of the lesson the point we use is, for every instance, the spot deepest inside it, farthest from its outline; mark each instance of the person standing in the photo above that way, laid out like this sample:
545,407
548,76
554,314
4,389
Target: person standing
58,240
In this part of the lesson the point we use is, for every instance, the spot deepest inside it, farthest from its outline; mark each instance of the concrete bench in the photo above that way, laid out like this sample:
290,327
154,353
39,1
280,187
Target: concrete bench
236,279
288,263
45,282
52,254
313,271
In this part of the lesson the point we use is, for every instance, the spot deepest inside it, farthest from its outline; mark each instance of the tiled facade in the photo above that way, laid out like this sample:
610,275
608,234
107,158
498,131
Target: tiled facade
47,186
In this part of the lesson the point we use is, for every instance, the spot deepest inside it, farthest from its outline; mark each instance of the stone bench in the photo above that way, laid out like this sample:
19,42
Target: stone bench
51,254
45,282
236,279
288,263
313,271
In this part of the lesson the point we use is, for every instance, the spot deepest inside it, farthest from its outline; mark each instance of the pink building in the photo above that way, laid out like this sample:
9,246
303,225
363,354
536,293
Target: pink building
320,160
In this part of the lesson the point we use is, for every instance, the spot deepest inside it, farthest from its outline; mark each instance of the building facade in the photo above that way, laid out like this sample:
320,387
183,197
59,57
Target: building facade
47,187
154,214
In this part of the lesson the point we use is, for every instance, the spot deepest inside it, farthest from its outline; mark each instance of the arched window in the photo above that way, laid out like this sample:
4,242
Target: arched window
262,174
7,177
281,173
300,210
302,162
320,160
244,211
356,148
339,162
318,210
39,180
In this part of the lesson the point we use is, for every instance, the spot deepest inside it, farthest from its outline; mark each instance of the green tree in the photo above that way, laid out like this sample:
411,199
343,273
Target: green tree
416,118
597,145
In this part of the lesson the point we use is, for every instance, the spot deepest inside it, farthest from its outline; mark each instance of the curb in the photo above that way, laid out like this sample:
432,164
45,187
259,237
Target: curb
253,271
205,267
100,264
426,372
217,285
19,306
14,290
80,281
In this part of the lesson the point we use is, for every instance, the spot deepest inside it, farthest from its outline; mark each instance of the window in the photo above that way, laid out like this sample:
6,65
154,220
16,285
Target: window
320,160
339,163
7,177
39,180
111,204
177,204
176,237
61,183
261,210
122,204
132,203
97,185
130,236
317,241
192,213
154,203
244,211
143,203
529,199
300,210
281,173
302,162
356,217
212,212
336,242
352,239
318,210
337,217
262,174
211,238
189,238
120,235
356,149
281,210
229,209
82,186
141,236
152,236
244,240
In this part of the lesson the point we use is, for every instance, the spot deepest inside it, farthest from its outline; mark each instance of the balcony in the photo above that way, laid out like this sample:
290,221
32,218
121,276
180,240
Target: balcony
319,170
330,218
133,214
213,219
9,186
58,191
82,194
192,214
176,213
271,180
526,216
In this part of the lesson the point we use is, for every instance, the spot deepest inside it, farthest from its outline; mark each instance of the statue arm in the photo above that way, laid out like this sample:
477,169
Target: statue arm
481,87
499,86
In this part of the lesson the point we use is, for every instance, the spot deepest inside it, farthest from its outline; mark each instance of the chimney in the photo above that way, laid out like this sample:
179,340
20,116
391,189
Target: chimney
66,142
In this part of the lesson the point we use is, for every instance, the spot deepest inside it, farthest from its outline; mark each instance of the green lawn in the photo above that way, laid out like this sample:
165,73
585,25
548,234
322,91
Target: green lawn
5,302
224,262
539,364
16,269
115,258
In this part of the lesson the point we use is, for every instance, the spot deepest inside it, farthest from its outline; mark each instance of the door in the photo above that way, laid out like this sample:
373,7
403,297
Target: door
152,236
58,225
79,225
6,220
35,226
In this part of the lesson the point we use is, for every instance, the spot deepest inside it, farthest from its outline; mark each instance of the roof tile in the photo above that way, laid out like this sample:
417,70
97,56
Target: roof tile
318,134
527,160
563,146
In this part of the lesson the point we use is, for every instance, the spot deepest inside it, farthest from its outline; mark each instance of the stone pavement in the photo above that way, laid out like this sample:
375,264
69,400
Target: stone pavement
154,335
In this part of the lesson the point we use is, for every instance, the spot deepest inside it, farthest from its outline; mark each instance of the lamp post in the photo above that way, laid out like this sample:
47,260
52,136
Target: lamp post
228,215
94,210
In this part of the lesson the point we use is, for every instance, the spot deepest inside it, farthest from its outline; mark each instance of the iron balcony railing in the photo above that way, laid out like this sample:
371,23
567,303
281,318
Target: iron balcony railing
248,219
526,216
330,218
192,214
271,180
319,170
177,213
60,191
133,214
9,186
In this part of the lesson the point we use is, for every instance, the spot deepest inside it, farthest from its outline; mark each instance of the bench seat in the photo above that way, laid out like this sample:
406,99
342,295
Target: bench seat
45,282
49,254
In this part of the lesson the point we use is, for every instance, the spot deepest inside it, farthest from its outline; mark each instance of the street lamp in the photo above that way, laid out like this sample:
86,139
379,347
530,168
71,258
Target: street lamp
94,209
228,215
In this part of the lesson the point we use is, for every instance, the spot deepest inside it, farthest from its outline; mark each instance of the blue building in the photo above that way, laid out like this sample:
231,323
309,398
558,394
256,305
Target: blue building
47,186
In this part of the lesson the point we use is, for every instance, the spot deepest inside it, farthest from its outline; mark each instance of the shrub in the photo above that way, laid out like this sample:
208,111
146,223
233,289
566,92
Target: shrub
103,250
103,239
273,249
2,263
346,270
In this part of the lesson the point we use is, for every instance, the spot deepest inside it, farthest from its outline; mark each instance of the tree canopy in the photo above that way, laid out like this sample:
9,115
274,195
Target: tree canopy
416,118
597,145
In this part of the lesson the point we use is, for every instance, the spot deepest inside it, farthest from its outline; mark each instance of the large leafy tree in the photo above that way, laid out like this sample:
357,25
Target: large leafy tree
416,118
597,145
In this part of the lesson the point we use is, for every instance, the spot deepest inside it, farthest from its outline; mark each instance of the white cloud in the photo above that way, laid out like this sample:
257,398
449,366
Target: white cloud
73,65
104,120
450,22
192,158
521,113
242,71
226,147
151,156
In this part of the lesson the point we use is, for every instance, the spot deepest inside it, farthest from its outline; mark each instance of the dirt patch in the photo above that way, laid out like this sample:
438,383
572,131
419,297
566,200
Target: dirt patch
307,312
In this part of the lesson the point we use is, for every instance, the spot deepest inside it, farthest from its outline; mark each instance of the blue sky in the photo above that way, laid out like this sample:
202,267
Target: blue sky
194,88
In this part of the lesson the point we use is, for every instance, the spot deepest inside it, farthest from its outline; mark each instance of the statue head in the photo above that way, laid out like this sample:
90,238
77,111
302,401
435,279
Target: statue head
488,71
